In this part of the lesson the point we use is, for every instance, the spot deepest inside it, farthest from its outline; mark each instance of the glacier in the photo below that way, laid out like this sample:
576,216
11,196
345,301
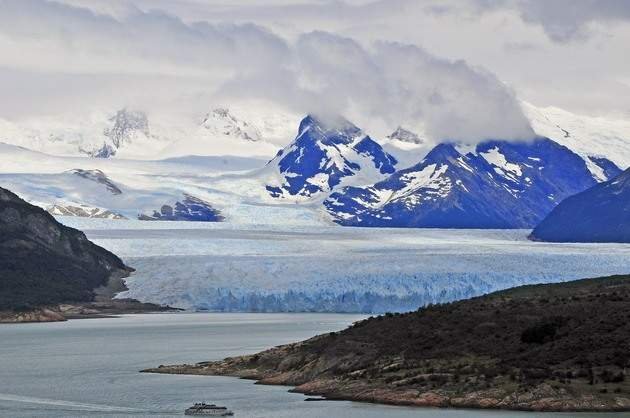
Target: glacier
229,267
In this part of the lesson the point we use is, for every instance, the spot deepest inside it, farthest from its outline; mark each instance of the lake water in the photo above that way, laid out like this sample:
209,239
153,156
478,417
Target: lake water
89,368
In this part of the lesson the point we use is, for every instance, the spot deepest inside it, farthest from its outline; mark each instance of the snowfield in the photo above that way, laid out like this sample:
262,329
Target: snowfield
318,268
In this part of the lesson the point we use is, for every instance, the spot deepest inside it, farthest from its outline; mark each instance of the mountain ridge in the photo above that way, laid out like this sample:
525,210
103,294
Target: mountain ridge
337,173
500,185
43,262
598,214
323,153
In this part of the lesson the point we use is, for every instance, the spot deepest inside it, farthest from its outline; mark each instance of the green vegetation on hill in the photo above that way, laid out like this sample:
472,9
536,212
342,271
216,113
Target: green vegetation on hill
562,346
43,262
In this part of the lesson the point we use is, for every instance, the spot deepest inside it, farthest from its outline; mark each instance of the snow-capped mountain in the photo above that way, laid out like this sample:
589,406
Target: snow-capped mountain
128,128
599,214
75,193
259,129
221,132
587,136
115,188
499,185
81,209
190,208
132,134
404,135
328,156
124,133
221,122
324,153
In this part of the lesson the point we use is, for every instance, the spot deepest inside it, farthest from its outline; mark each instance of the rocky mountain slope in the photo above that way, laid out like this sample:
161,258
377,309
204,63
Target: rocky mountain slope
499,185
324,153
558,347
43,262
404,135
599,214
189,208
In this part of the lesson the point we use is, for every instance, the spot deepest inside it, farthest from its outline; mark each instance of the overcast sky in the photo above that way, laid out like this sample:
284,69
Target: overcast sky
457,65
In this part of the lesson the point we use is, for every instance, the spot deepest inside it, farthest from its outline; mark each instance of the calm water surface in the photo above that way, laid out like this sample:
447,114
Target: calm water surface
89,368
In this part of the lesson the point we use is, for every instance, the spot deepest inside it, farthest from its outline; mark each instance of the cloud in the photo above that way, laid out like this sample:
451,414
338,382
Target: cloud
143,42
520,47
563,20
400,84
70,54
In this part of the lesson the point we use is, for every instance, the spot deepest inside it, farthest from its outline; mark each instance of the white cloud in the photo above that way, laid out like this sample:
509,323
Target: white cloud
68,52
359,57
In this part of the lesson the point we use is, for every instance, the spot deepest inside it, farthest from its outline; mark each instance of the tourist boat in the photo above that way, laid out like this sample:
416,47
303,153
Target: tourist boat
212,410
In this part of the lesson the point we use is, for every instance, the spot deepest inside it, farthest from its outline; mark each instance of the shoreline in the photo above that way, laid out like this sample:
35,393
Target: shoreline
537,399
557,347
87,310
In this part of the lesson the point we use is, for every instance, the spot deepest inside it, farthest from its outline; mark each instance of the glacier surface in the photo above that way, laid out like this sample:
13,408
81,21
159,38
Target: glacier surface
317,268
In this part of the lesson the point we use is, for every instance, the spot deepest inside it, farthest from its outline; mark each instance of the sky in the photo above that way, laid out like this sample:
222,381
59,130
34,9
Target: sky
459,66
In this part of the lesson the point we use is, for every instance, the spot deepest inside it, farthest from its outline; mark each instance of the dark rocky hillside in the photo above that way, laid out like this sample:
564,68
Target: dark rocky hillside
43,262
600,214
546,347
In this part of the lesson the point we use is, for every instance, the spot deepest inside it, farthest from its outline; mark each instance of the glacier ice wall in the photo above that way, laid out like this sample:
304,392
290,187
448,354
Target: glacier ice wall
259,268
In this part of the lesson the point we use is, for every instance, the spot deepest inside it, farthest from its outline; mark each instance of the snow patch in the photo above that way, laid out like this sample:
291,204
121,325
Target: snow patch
503,166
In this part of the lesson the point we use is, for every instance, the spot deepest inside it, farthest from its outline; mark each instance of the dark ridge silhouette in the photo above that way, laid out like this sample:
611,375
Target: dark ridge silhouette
43,262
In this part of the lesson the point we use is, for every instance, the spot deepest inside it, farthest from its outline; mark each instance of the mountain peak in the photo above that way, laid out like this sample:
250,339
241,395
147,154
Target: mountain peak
126,124
221,122
326,151
330,126
404,135
442,152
